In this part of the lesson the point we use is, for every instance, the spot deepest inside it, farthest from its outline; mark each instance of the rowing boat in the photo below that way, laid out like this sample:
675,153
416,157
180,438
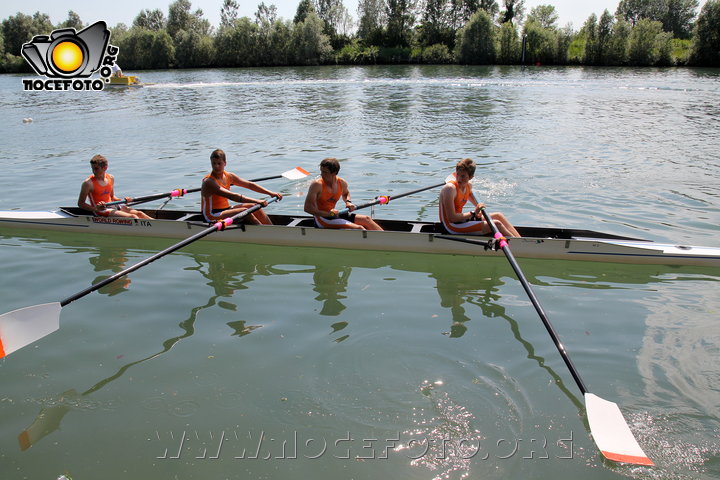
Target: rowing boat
125,81
406,236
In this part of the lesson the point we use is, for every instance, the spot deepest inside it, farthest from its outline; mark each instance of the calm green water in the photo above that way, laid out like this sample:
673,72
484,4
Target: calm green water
234,362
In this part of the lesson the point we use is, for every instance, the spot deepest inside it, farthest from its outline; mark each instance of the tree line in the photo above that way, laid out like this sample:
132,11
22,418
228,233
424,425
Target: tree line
638,33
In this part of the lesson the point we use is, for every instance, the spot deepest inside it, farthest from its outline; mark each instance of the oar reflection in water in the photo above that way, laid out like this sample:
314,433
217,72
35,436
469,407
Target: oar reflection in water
49,418
224,283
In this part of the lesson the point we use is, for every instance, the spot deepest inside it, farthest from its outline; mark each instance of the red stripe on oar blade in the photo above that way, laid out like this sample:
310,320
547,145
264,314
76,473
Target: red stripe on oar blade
619,457
296,173
2,350
611,432
24,326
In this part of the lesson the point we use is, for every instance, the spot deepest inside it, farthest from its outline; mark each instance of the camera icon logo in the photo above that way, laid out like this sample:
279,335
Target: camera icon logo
67,53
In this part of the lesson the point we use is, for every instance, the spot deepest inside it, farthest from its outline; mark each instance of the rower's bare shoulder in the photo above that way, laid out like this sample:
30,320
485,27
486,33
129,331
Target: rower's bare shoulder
447,189
209,184
87,184
315,186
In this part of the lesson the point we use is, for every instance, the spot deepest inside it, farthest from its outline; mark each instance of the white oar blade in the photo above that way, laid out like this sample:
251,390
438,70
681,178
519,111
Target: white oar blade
612,433
296,173
27,325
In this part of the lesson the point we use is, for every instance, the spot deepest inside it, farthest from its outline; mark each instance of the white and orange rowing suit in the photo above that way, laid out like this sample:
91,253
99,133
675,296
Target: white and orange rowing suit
327,201
215,204
101,193
471,227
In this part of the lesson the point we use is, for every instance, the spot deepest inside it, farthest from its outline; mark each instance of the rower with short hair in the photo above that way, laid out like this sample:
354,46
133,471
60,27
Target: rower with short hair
215,194
323,195
99,189
453,197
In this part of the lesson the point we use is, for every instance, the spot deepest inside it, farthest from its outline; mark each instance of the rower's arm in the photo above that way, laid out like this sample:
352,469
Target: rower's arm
112,192
240,182
346,195
84,192
211,187
447,203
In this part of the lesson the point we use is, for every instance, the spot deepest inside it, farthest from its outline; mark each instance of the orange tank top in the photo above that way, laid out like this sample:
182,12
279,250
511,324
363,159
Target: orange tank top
328,198
101,193
461,198
217,202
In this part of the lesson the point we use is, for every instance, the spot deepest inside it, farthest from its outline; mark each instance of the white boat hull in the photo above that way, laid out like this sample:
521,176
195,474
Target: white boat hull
419,237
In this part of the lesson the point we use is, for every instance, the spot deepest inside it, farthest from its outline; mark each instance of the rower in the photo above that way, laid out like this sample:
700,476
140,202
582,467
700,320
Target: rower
453,197
98,189
215,193
323,195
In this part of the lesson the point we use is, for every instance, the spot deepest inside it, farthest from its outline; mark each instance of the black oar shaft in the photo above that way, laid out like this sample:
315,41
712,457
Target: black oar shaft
214,228
158,196
536,303
390,197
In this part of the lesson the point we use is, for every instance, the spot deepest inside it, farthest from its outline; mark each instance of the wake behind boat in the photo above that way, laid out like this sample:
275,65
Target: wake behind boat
405,236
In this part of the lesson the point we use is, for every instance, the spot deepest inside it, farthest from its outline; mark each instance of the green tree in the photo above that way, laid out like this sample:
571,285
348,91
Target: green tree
150,19
435,24
544,15
143,49
540,43
662,49
706,47
604,38
513,11
679,17
508,50
642,47
311,46
73,21
590,32
21,28
372,14
490,6
338,22
400,22
280,43
193,50
305,8
475,42
460,11
617,53
564,37
229,13
236,46
181,18
265,14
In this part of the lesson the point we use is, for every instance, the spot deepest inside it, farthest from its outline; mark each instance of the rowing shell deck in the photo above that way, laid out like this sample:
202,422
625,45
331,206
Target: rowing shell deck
420,237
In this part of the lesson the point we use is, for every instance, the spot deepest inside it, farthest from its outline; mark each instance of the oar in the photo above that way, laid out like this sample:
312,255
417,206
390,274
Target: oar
294,174
26,325
608,427
383,199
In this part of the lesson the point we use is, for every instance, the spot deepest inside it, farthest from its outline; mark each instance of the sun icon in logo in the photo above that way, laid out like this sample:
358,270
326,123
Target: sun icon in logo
67,56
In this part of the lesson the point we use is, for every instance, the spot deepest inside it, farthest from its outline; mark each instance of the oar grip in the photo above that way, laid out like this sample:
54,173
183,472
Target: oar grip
223,224
503,241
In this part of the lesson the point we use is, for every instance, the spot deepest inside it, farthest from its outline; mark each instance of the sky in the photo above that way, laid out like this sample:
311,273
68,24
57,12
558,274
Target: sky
90,11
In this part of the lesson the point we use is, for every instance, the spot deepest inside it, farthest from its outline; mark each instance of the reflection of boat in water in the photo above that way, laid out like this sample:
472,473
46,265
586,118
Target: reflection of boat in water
399,236
461,282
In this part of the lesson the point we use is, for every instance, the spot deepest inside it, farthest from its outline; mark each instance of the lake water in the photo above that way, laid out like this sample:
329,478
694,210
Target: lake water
230,362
